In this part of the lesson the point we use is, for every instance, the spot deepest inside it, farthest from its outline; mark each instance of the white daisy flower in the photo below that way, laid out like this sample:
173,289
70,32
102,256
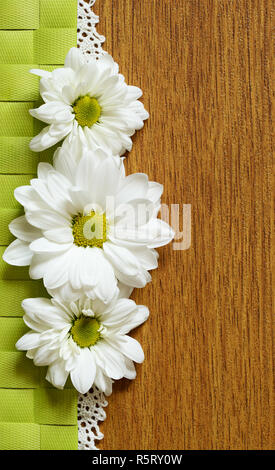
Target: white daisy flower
86,339
90,101
87,225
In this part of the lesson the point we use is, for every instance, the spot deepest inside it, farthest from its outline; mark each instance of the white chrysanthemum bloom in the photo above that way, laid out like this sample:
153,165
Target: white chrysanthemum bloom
86,339
87,225
90,101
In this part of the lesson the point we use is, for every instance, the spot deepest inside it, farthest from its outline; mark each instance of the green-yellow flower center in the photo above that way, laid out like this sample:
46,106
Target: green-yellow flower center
85,331
90,230
87,111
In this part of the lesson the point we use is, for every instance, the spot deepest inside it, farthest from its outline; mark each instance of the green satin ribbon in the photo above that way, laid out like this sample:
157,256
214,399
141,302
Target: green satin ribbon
10,304
33,33
16,14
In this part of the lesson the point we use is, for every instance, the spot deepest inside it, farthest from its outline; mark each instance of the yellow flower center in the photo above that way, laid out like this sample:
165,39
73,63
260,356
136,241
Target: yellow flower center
87,111
90,230
85,331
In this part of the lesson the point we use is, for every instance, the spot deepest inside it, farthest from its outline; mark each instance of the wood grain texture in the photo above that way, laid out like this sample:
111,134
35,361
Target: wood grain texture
204,67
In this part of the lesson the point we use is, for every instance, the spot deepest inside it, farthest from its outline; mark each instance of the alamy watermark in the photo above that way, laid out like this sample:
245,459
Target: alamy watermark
136,222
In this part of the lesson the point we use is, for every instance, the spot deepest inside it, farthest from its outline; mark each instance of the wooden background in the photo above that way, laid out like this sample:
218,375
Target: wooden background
204,67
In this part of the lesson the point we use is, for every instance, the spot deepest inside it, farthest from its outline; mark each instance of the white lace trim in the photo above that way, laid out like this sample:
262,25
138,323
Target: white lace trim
90,412
88,39
90,405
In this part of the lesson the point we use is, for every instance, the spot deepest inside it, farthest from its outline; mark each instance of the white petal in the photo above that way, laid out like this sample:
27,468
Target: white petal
53,268
126,141
135,184
161,233
138,108
58,187
112,359
77,272
107,87
124,291
53,112
30,353
44,356
123,316
120,119
60,235
30,340
140,280
29,198
139,316
34,324
135,213
127,268
119,311
147,257
54,193
56,374
49,136
83,374
103,383
100,307
41,188
21,229
43,170
102,275
60,130
18,253
42,310
41,73
81,200
155,191
65,161
46,219
105,181
122,259
36,304
133,93
103,136
69,94
56,274
129,347
42,245
130,369
154,234
85,173
65,293
107,61
63,76
74,59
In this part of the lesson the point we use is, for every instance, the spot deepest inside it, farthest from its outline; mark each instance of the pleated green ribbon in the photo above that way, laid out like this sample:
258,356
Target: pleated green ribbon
33,415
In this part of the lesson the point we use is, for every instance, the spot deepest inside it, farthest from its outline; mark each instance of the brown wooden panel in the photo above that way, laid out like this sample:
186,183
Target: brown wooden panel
204,67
